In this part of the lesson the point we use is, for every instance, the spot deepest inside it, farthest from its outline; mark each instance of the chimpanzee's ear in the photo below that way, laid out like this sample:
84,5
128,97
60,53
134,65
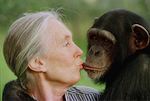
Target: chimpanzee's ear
95,19
141,36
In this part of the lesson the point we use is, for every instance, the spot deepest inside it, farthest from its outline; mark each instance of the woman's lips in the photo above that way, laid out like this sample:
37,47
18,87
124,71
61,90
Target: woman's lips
81,65
99,69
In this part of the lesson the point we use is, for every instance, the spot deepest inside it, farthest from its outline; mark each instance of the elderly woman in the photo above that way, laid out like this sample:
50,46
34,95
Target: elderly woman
39,50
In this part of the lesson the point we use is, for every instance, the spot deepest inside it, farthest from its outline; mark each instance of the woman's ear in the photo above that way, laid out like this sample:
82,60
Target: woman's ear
141,36
37,64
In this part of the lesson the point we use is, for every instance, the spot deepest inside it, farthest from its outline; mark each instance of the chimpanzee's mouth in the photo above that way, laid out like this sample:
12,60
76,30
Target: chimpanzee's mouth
99,69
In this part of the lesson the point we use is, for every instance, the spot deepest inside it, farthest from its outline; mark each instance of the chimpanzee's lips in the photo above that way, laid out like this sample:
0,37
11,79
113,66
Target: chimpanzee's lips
99,69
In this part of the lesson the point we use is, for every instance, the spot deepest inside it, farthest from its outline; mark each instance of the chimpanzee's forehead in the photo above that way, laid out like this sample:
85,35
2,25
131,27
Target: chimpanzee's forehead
101,32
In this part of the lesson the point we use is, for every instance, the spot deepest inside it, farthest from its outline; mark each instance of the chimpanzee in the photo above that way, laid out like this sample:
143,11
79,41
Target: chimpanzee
119,55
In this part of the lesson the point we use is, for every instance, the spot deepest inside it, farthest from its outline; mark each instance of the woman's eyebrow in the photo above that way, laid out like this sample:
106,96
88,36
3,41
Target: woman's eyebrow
66,37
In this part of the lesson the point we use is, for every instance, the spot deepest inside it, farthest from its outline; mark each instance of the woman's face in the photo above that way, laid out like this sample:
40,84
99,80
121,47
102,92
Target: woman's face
63,55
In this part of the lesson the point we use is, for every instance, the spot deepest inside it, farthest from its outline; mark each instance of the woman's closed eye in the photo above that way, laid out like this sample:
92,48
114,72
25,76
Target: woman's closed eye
67,43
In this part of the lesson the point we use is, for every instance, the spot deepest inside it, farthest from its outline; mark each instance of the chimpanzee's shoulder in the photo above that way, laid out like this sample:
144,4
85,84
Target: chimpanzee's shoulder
13,92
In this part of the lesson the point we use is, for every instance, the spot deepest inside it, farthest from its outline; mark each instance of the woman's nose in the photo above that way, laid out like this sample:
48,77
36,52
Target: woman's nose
78,52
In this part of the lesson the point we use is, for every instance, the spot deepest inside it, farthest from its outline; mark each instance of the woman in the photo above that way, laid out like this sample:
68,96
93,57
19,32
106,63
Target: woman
39,50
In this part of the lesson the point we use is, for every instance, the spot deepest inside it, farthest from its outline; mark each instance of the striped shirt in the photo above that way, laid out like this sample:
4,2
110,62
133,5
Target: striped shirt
82,93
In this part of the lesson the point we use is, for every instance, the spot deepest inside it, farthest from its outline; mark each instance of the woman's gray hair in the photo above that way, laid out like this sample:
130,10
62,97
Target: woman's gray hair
23,42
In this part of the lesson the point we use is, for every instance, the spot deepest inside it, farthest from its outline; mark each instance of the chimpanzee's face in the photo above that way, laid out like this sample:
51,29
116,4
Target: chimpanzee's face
101,54
112,39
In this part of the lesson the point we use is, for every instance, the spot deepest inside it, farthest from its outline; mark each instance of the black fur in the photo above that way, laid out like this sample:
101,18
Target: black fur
14,92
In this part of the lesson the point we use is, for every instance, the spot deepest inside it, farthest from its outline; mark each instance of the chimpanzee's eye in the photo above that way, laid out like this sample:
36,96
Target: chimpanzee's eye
106,41
93,37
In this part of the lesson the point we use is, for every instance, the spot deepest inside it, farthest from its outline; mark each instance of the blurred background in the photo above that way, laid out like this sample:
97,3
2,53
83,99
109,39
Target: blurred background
79,17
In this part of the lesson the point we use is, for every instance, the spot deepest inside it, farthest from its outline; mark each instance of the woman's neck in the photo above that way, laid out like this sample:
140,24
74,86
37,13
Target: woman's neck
44,90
